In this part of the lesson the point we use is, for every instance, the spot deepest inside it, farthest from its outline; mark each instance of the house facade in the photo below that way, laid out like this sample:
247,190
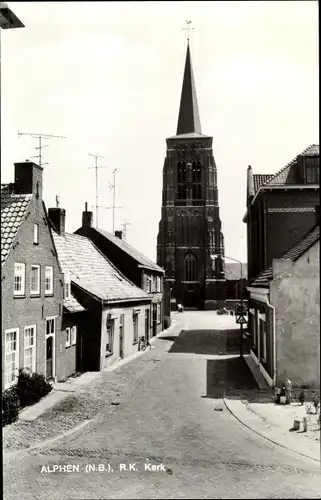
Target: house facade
190,229
104,313
140,270
32,280
284,316
282,223
236,284
281,208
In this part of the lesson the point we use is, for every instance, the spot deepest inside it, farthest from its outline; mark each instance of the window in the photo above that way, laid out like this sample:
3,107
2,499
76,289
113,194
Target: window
312,175
74,335
50,326
35,280
30,348
263,336
110,338
19,278
49,280
67,288
190,274
135,328
36,234
158,284
68,336
11,356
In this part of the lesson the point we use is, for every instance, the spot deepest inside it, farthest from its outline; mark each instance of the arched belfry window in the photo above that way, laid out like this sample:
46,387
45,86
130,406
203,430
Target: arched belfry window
190,268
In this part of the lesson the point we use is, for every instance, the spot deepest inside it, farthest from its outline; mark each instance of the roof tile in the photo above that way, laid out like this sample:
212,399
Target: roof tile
13,211
90,270
133,252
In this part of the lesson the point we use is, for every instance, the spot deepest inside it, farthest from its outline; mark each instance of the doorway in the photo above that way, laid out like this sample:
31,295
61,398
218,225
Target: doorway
154,319
147,325
49,358
121,336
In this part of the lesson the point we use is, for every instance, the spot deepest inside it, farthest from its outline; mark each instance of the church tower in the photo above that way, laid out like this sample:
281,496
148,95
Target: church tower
190,228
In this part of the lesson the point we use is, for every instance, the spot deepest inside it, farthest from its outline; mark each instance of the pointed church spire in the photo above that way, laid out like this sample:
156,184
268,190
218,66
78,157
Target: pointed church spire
188,118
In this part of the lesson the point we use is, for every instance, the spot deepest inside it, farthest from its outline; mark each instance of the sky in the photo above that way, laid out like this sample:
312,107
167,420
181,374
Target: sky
107,76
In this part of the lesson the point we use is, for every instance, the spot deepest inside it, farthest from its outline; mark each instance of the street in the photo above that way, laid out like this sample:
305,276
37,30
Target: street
169,414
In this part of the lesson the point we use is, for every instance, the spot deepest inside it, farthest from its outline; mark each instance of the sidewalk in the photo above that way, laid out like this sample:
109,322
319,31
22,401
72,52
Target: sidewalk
274,422
62,390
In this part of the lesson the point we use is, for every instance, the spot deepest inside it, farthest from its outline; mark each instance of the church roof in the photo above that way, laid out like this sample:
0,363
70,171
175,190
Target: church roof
188,118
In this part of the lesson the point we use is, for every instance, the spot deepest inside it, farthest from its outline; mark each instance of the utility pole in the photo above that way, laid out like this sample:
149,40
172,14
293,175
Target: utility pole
96,171
40,137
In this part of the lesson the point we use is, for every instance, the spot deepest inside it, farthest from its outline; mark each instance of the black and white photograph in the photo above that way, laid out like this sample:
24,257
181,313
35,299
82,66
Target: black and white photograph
160,250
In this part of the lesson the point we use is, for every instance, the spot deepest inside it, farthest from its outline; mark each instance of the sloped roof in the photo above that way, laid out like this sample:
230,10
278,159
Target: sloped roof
233,271
309,239
287,174
260,179
133,252
91,271
72,305
13,211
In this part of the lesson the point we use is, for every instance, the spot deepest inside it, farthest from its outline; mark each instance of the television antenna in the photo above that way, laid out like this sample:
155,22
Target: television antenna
96,167
124,227
40,138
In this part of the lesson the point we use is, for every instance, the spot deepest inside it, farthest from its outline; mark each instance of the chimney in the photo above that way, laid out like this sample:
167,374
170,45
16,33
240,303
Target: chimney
119,234
87,217
28,178
250,183
58,218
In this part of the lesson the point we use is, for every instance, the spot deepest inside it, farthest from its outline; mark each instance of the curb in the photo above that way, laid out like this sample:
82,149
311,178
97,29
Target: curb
265,437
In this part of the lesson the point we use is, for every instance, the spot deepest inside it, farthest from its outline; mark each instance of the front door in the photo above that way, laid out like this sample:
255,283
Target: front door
121,336
154,319
147,324
49,358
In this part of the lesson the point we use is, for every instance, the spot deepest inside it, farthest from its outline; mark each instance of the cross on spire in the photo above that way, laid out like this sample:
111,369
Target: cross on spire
188,29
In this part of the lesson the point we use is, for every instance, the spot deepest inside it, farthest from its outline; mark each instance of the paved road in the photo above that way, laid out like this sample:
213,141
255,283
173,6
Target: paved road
167,417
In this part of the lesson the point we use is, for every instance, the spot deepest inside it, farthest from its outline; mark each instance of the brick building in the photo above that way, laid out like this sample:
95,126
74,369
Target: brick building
284,315
32,281
190,227
281,208
140,270
282,212
104,313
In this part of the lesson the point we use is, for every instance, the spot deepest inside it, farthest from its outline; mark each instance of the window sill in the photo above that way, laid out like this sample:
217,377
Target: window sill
135,342
67,345
19,296
51,294
36,244
108,354
35,295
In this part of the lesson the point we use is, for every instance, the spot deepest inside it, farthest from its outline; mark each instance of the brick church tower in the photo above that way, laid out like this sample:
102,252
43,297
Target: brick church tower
190,227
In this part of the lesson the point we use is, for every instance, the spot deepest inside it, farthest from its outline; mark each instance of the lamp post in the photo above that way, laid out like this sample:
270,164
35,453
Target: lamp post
213,257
